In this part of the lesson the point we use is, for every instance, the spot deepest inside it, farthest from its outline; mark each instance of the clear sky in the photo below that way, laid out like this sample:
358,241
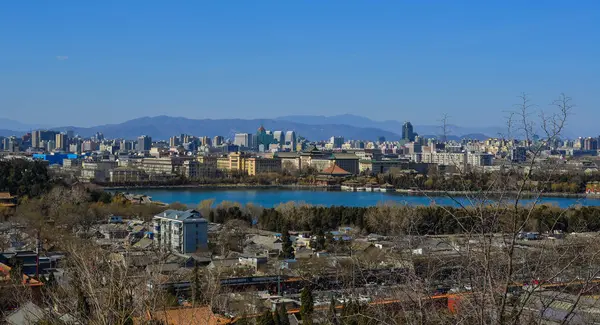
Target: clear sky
92,62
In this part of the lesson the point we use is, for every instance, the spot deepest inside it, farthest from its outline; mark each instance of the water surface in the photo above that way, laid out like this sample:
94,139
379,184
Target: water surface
273,197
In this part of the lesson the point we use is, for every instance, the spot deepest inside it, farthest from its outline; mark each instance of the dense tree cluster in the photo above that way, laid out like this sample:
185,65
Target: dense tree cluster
23,177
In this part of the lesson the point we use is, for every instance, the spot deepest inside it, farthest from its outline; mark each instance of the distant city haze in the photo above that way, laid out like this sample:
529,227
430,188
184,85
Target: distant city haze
86,64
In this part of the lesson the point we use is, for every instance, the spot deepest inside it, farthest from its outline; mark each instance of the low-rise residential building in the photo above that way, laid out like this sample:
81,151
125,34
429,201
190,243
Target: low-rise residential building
183,232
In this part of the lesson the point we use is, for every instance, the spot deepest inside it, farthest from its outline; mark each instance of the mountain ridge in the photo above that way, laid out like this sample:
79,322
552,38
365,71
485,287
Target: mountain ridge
163,127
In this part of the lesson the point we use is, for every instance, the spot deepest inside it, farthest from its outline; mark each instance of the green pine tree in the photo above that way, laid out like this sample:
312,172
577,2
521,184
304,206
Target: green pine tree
307,305
286,246
276,318
283,315
265,319
197,291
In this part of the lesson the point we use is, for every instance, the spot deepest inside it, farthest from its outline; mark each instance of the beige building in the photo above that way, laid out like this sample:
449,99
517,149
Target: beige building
127,175
97,171
257,165
61,142
243,162
184,166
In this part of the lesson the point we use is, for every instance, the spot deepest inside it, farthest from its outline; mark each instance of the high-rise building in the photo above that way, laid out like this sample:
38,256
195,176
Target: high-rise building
263,139
590,144
206,141
407,132
40,136
61,142
244,140
174,141
217,141
290,140
337,142
144,143
279,137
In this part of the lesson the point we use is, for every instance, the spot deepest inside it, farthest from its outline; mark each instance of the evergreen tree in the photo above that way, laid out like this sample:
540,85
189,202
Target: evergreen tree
319,243
307,305
332,313
286,246
283,315
276,318
266,319
197,291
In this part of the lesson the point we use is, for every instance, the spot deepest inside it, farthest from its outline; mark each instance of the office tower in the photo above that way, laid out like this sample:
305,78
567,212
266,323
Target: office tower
590,144
206,141
50,145
70,134
337,142
407,132
290,140
217,141
61,142
40,136
244,140
174,141
263,138
5,144
279,137
144,143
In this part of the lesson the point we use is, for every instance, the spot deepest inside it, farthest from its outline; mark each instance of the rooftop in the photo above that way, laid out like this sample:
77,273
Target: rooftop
187,216
335,170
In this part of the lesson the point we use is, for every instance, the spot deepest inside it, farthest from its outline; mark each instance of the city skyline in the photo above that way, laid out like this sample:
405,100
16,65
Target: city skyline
208,61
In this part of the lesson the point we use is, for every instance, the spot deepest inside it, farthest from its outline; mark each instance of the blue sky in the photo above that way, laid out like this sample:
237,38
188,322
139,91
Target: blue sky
86,63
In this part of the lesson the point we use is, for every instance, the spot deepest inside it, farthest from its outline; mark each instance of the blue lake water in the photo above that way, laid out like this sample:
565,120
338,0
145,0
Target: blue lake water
273,197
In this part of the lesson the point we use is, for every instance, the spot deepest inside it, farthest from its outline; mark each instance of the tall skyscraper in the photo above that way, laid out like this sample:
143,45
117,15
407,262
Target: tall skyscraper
174,141
206,141
290,140
243,140
337,142
407,132
144,143
263,139
61,142
279,137
217,141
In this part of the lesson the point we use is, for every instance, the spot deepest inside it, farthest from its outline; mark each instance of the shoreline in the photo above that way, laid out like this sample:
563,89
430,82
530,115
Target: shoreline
324,188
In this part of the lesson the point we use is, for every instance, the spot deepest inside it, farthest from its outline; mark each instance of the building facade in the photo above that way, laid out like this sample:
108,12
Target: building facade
182,232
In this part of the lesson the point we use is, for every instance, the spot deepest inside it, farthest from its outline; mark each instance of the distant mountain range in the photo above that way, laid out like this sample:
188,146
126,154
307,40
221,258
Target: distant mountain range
396,126
311,127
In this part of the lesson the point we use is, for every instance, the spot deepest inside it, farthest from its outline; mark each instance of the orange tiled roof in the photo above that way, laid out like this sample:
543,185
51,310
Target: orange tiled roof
27,280
335,170
195,315
6,195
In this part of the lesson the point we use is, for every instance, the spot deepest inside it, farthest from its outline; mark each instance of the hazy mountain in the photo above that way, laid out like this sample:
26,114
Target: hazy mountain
8,133
163,127
9,124
393,126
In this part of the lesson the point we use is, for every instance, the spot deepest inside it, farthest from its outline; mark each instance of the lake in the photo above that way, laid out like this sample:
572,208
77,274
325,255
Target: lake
273,197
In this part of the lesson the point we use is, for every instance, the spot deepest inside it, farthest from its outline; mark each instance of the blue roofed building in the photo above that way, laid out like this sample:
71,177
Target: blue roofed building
54,158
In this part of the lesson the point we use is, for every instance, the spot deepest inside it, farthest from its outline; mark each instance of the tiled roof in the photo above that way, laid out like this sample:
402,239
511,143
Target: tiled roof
197,315
6,195
191,215
335,170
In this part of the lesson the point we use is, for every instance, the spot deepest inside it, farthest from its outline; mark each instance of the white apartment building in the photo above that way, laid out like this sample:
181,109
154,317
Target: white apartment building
182,232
